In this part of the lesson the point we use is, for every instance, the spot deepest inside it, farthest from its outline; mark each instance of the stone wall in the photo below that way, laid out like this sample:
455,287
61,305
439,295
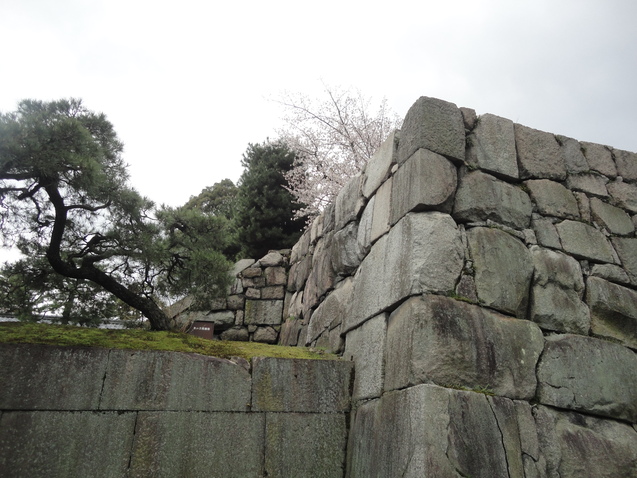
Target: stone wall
482,276
74,412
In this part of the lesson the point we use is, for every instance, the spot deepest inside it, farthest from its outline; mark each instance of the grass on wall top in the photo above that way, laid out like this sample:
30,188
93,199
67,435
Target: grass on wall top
137,339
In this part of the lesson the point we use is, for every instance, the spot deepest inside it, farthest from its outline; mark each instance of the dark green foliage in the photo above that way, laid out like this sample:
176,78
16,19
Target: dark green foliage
265,208
65,201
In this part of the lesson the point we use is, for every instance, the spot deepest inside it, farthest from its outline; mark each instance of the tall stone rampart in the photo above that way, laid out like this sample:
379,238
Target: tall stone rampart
482,276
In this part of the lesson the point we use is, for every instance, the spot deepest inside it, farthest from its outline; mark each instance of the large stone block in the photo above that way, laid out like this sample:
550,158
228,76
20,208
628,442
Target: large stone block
574,159
616,220
624,194
429,431
220,445
44,377
142,380
481,197
365,346
425,181
47,444
539,154
557,290
379,166
435,339
349,202
503,270
435,125
346,252
626,163
305,444
553,199
382,211
626,248
590,183
589,375
577,445
423,252
492,146
313,386
599,159
322,275
332,311
584,241
613,311
263,312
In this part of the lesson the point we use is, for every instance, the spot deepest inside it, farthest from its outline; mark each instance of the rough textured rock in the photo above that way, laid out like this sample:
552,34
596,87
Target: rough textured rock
593,184
613,310
626,163
599,159
348,203
584,241
378,167
318,387
574,159
481,197
589,375
539,154
427,431
435,125
303,445
553,199
492,146
332,311
345,250
321,278
239,334
222,319
545,232
469,117
168,380
626,248
188,444
263,312
616,220
265,335
48,443
365,346
271,259
624,194
382,210
577,445
364,235
435,339
557,290
425,181
610,272
503,270
407,262
37,377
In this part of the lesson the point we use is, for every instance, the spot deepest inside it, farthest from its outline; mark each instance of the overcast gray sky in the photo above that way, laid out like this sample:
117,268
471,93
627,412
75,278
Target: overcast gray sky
186,84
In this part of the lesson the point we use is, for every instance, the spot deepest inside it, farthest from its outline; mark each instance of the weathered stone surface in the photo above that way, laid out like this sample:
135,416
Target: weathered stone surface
265,335
626,248
251,272
318,386
553,199
252,293
405,262
36,377
365,346
275,275
427,431
273,292
574,159
301,248
610,272
546,232
321,278
290,331
346,253
348,203
469,117
263,312
47,443
222,319
364,235
626,162
577,445
590,375
236,302
154,380
331,311
424,181
503,270
613,311
625,194
616,220
435,125
593,184
378,167
584,241
539,154
189,444
272,259
299,272
304,445
556,293
492,146
238,334
382,210
240,266
481,197
599,159
584,206
452,343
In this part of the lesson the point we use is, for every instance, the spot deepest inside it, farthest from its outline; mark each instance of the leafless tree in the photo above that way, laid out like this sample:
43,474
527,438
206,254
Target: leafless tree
334,136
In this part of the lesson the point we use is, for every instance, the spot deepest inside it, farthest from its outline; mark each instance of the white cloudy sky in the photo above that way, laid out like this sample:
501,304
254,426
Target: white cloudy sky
187,83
